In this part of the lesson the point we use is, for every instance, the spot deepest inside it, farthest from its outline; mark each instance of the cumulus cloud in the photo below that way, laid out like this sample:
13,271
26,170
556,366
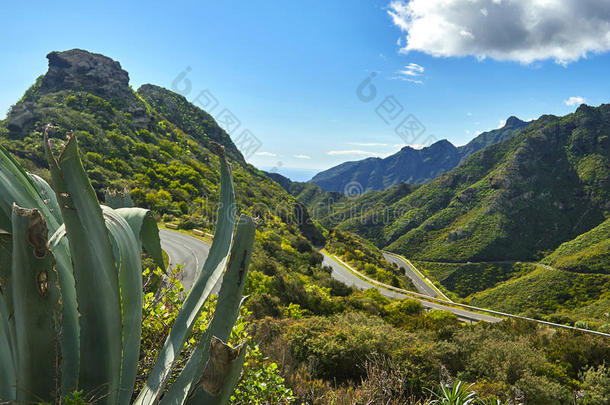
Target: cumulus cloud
265,154
574,101
515,30
302,157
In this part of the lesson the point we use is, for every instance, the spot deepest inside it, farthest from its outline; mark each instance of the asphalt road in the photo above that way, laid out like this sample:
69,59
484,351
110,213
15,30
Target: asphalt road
185,250
342,274
191,254
421,286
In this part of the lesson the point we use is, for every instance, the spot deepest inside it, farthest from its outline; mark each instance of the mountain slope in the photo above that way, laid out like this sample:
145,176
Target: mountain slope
410,165
510,201
189,118
587,253
126,139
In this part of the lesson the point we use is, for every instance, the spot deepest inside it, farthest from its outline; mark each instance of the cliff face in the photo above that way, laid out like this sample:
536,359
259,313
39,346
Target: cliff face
84,71
80,71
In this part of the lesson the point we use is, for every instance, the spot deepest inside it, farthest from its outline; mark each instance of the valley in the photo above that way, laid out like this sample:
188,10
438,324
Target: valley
490,261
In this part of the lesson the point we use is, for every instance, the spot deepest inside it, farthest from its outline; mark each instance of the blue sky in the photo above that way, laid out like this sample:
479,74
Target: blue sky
289,71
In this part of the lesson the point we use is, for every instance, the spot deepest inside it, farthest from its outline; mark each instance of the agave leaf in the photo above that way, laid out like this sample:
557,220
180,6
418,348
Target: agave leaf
17,187
117,199
34,291
145,228
231,378
95,274
48,196
127,248
208,277
8,378
227,311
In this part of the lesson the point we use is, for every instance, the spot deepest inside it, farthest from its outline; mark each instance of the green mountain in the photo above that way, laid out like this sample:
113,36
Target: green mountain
587,253
156,143
410,165
327,340
515,200
153,141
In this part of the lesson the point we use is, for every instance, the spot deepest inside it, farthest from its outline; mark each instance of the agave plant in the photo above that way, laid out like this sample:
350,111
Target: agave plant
71,292
455,394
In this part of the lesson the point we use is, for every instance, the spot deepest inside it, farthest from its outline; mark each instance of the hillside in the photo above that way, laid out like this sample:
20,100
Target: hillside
515,200
560,295
411,165
587,253
324,339
155,143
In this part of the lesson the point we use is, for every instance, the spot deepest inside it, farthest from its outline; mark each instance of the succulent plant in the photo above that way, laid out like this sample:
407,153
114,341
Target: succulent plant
71,292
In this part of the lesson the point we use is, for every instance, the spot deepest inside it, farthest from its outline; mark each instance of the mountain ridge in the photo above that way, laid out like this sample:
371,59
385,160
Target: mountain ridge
413,166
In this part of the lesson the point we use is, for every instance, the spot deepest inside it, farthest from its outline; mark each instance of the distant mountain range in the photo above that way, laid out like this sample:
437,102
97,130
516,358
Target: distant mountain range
413,166
514,200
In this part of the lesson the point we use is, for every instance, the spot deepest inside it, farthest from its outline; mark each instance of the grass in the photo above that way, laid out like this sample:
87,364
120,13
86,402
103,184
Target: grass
204,238
587,253
464,279
551,294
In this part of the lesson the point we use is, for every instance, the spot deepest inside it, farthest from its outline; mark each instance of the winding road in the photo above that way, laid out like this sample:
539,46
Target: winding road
341,273
420,284
191,253
186,251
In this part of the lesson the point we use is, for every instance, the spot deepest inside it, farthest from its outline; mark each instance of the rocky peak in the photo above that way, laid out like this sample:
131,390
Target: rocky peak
83,71
513,121
80,70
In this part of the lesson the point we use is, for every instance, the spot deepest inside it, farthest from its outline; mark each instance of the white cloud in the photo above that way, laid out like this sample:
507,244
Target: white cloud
356,152
302,157
412,69
515,30
409,73
574,101
501,124
265,154
367,144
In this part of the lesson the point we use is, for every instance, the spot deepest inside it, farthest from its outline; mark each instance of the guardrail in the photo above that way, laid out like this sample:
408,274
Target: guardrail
420,274
424,297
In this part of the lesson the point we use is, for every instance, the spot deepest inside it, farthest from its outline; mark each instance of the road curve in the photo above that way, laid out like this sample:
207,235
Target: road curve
191,253
342,274
187,251
421,286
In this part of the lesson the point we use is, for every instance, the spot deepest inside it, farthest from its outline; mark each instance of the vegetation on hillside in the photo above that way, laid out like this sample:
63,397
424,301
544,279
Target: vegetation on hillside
556,295
365,258
358,358
515,200
464,279
319,340
587,253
